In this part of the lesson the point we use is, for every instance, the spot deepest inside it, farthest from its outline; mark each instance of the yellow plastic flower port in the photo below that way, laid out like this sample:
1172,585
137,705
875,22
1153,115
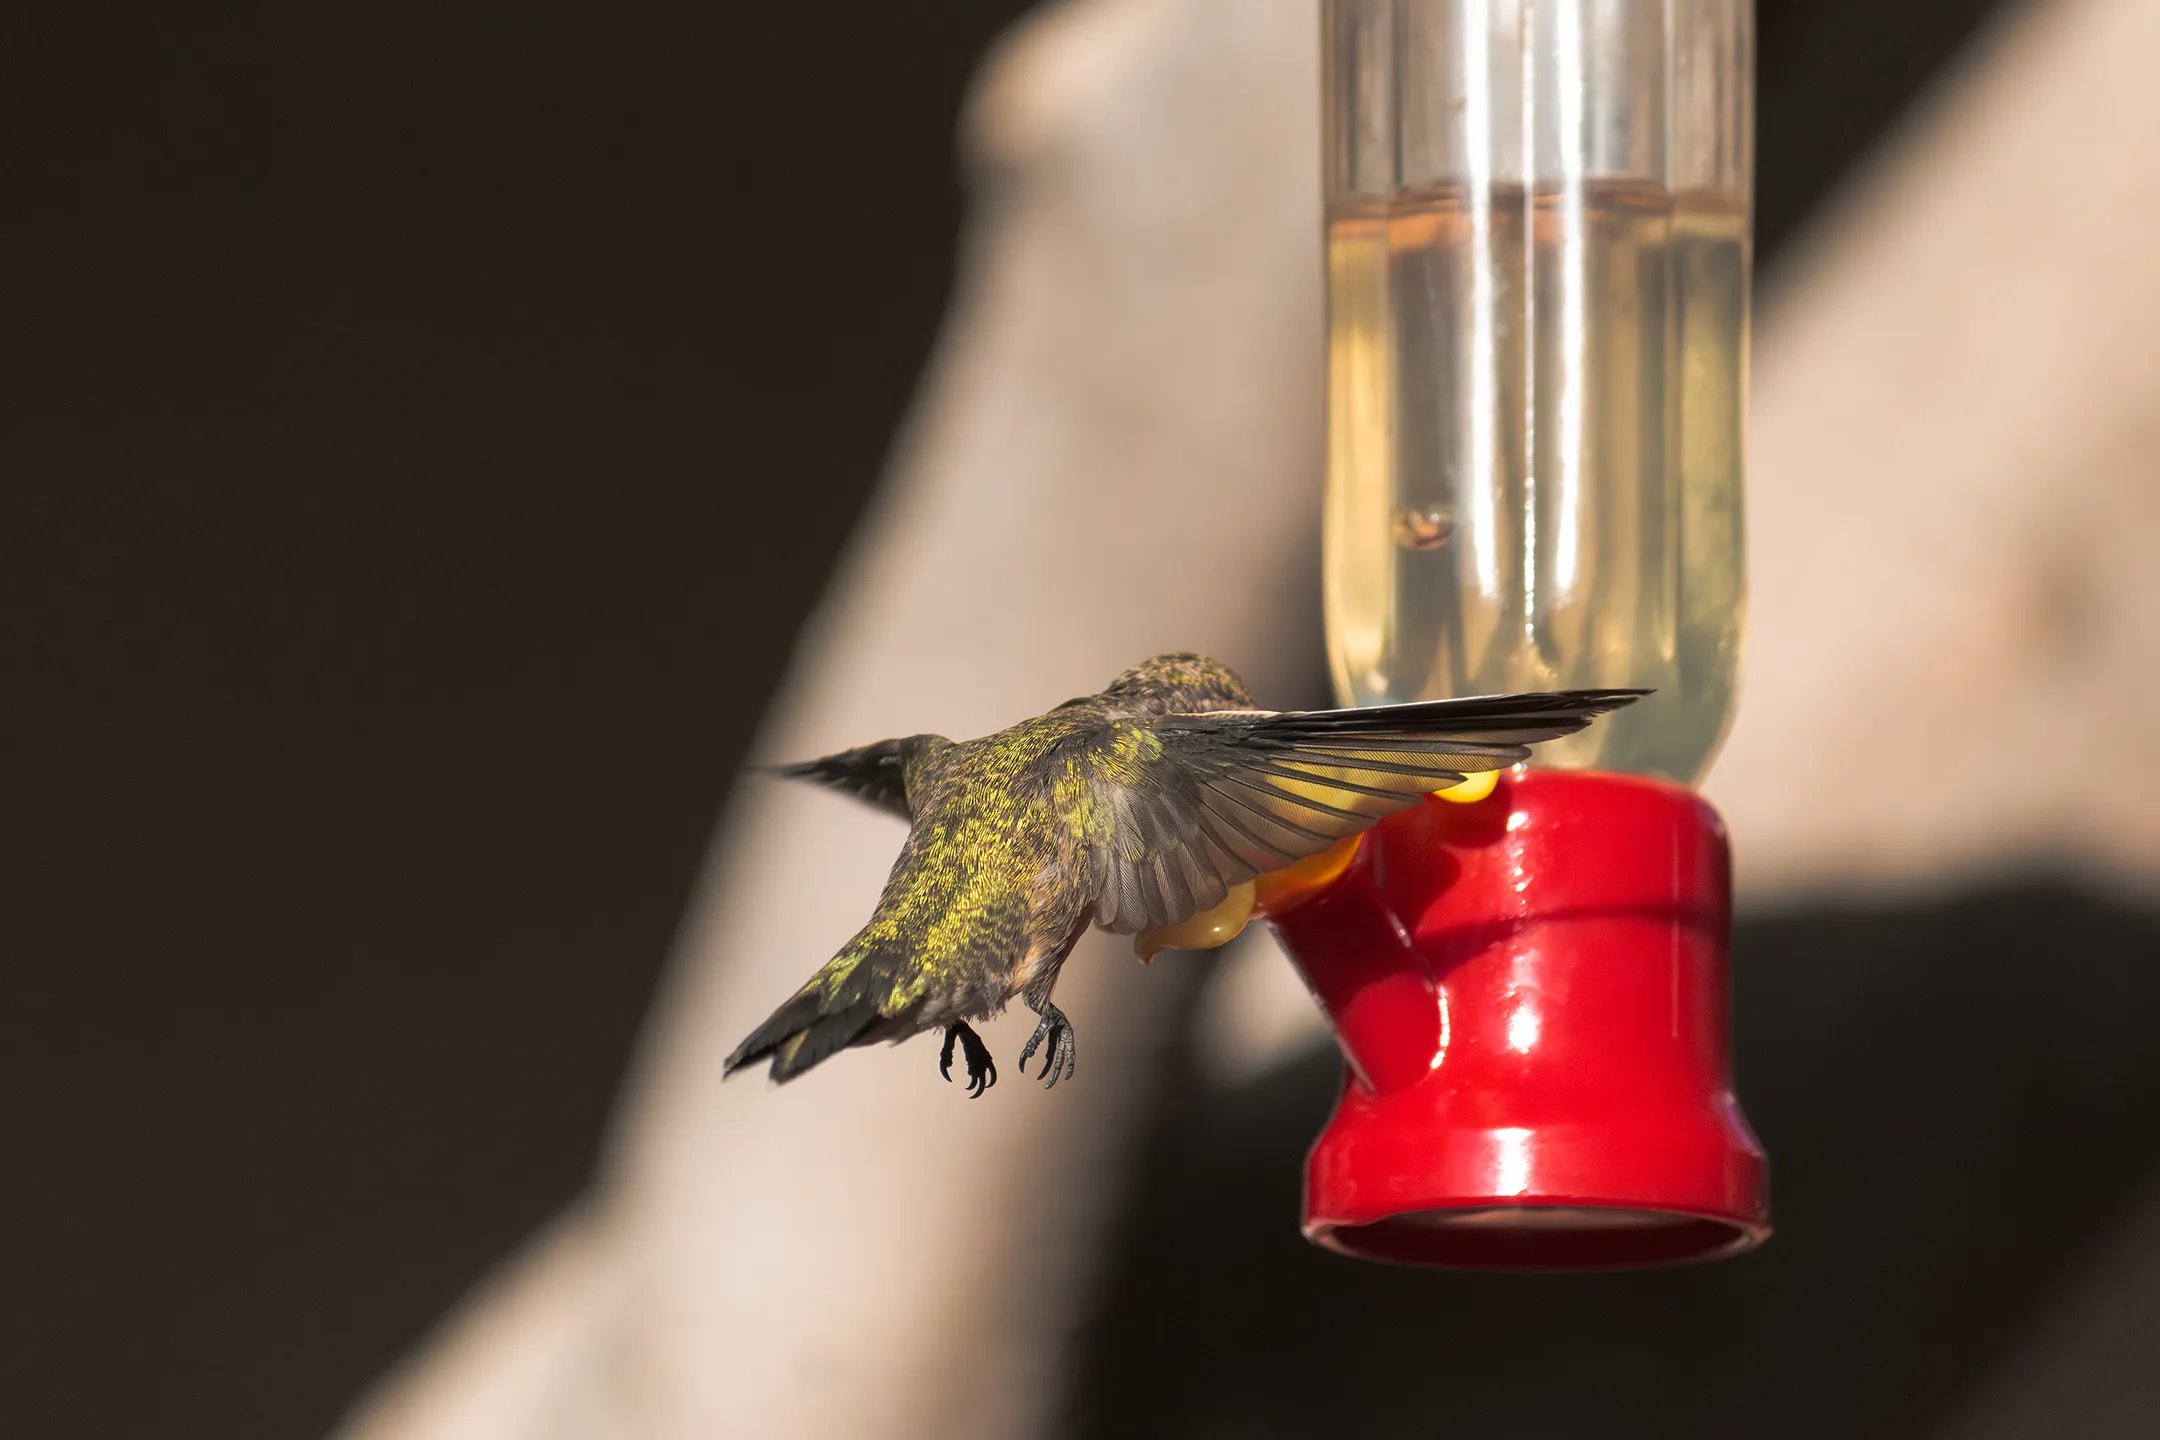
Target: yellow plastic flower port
1284,890
1471,788
1204,931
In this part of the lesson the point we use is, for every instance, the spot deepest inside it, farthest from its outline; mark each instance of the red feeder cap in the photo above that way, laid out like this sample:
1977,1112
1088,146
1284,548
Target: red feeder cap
1531,996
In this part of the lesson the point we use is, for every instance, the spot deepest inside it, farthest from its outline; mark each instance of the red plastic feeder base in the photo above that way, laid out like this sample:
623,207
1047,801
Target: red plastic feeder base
1531,995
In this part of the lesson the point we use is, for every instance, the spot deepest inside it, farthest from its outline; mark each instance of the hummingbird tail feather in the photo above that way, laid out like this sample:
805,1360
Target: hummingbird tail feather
874,774
842,1005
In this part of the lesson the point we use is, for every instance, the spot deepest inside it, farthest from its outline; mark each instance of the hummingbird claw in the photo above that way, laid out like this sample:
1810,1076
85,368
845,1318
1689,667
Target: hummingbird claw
982,1073
1058,1063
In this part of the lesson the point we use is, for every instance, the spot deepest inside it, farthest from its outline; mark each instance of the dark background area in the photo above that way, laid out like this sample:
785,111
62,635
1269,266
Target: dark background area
1949,1157
426,428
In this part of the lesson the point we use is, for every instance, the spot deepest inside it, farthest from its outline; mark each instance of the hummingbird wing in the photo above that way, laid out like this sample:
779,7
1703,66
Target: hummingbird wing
1227,795
875,774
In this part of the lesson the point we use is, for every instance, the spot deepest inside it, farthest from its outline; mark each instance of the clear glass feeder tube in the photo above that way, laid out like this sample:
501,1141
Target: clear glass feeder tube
1538,268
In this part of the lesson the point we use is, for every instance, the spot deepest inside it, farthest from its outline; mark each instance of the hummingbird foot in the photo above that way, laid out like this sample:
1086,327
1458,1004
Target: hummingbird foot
1058,1031
982,1074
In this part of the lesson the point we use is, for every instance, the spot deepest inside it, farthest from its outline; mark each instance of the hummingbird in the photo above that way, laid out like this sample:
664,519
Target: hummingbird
1132,809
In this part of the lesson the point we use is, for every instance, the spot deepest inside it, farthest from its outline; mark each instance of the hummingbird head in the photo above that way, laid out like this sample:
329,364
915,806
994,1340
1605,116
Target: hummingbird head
1180,683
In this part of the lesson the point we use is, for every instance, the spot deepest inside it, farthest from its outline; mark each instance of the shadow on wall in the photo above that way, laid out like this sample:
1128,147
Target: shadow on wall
1944,1089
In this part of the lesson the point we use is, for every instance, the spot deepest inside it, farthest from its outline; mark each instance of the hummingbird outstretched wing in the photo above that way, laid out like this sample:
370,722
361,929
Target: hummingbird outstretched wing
875,774
1227,795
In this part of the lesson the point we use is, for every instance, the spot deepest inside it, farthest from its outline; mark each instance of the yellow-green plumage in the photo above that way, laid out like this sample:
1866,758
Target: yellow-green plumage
1133,808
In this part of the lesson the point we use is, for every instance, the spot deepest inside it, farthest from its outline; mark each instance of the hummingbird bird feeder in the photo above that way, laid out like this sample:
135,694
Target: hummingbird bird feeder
1538,239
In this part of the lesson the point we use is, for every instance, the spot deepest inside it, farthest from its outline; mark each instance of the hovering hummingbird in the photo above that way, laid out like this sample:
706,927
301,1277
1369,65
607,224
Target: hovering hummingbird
1133,809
